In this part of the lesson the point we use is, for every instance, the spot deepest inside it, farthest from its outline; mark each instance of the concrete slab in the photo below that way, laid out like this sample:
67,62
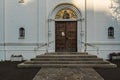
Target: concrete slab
67,74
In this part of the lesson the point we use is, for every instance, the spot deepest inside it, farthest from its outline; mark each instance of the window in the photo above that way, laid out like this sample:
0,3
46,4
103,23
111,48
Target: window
21,33
111,32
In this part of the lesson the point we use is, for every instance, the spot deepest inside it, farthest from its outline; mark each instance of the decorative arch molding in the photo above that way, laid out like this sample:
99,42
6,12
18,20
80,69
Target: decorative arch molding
65,6
51,24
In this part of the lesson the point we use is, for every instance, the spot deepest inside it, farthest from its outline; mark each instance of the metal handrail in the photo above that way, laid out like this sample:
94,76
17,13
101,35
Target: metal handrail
93,46
43,45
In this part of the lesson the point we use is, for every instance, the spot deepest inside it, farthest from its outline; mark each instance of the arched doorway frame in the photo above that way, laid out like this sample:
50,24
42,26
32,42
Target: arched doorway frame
51,24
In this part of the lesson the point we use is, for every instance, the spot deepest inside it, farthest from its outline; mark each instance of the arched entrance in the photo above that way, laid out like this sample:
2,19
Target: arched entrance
65,23
66,36
66,31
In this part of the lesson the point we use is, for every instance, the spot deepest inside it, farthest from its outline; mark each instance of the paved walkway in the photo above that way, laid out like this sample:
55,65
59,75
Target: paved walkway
67,74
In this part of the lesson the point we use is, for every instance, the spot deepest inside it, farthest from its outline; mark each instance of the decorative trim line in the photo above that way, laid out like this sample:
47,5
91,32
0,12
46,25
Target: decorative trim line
104,50
105,43
1,44
34,44
26,50
21,44
18,50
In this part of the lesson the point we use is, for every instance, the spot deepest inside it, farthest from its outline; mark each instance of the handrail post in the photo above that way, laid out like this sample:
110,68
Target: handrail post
85,47
97,50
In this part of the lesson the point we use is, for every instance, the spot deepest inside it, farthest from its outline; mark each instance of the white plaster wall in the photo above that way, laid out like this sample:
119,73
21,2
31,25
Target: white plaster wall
20,15
42,22
98,34
90,21
1,29
103,20
1,20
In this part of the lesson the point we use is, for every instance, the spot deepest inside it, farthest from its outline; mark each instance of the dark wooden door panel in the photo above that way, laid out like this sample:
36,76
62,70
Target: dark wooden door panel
71,32
60,40
66,36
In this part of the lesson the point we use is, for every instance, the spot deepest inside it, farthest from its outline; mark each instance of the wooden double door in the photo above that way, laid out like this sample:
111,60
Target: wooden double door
66,36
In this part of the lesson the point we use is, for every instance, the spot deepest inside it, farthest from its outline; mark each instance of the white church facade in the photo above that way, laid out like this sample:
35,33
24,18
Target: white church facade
34,27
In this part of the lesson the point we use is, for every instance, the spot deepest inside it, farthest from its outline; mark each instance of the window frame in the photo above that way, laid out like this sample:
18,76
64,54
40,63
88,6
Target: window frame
111,32
21,33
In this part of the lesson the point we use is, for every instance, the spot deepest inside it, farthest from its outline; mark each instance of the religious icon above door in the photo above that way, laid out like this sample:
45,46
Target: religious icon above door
66,14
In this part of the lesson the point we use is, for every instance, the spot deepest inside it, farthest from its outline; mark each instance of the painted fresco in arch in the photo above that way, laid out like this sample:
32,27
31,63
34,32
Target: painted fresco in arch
65,14
115,9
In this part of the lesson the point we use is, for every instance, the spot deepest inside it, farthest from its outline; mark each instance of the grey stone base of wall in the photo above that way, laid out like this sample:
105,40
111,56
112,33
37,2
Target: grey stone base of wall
67,74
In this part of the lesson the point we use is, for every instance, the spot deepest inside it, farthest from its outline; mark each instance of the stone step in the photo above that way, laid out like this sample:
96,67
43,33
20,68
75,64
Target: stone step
66,62
66,53
22,65
66,56
66,59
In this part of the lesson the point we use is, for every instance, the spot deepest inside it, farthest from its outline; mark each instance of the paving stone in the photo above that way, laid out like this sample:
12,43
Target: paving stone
67,74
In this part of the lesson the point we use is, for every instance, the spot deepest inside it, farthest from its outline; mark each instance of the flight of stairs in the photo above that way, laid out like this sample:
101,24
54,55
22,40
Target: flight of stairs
66,59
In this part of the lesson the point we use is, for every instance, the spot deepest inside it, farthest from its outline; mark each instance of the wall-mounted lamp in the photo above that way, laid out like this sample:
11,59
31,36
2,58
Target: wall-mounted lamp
21,1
